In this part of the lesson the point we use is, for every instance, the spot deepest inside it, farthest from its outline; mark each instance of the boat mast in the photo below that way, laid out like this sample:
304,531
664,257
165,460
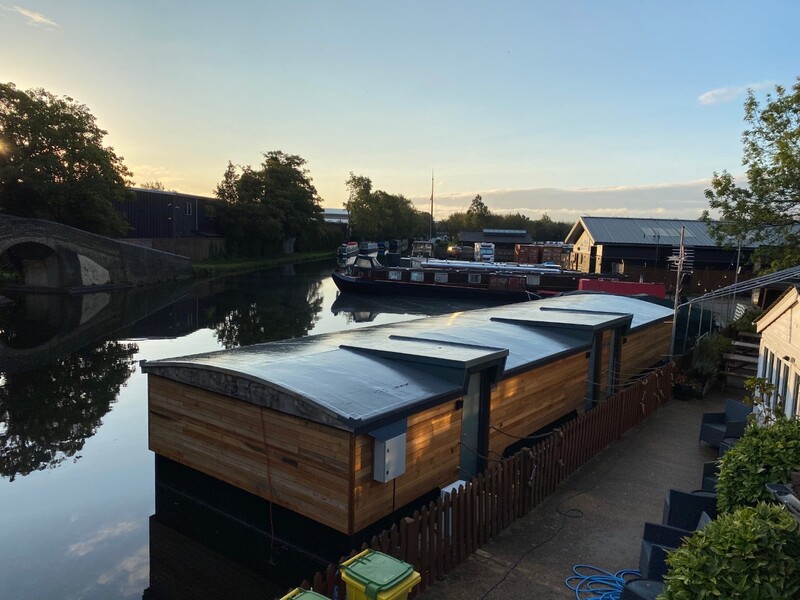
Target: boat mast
430,229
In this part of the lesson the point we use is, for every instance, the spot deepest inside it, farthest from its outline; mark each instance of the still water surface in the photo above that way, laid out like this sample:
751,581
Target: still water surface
76,477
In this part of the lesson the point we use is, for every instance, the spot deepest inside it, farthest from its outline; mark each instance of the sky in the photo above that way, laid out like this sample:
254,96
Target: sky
569,108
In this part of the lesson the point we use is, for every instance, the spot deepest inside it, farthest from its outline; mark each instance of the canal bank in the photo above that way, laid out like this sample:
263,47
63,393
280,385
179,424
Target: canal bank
220,267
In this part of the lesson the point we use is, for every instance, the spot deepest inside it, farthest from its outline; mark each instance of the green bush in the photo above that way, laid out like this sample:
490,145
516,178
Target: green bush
753,552
745,322
708,356
766,454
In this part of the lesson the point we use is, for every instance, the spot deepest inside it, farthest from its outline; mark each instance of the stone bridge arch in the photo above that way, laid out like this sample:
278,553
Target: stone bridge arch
54,256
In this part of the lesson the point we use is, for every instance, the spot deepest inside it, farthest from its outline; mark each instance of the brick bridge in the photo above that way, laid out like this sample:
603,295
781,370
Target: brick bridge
55,256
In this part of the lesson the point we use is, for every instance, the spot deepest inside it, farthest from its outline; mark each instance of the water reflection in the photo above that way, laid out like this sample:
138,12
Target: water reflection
276,312
76,476
39,329
49,412
365,309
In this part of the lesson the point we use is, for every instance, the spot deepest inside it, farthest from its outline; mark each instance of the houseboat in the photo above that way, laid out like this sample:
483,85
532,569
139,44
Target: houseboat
343,429
460,279
367,276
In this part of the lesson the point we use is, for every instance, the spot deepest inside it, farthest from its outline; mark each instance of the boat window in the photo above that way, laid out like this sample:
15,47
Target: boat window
532,279
417,276
395,275
440,277
363,262
474,278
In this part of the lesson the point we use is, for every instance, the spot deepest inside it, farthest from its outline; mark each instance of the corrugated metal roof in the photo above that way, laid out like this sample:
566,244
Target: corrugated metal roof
666,232
360,379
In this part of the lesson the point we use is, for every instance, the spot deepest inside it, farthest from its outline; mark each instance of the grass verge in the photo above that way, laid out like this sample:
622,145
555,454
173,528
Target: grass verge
217,267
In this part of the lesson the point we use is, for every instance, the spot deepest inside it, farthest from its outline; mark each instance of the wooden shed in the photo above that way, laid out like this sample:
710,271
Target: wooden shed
344,428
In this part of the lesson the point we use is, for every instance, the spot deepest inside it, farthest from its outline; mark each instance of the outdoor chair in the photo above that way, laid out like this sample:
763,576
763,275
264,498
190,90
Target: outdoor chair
684,509
715,427
710,470
725,445
658,540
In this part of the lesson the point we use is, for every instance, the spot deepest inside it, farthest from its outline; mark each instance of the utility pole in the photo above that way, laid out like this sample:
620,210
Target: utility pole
430,229
681,256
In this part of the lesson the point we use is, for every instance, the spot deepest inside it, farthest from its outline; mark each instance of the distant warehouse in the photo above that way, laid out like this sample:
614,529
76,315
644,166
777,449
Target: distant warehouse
179,223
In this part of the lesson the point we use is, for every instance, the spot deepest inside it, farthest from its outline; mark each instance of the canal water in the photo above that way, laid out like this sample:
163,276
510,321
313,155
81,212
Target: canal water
77,482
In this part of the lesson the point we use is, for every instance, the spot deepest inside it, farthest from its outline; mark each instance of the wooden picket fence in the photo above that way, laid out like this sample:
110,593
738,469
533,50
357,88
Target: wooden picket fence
442,534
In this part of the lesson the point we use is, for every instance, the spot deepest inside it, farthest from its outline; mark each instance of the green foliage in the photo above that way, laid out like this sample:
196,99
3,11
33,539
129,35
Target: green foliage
708,356
477,214
377,215
249,230
763,396
753,552
766,454
543,229
765,210
267,205
53,164
745,322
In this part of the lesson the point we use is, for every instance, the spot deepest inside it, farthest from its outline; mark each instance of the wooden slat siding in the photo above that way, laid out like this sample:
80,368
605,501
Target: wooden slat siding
491,498
432,459
643,349
300,465
526,402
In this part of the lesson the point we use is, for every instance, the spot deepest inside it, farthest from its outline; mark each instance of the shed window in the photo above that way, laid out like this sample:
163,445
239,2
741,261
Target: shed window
188,208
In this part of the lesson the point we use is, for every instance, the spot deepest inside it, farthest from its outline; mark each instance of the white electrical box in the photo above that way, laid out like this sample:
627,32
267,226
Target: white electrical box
389,451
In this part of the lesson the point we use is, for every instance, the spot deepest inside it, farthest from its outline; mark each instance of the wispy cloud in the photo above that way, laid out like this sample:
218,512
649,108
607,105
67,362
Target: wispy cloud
683,200
106,533
129,575
32,17
726,94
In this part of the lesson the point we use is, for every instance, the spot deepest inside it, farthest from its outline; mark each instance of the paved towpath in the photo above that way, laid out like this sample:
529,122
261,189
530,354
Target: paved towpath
615,493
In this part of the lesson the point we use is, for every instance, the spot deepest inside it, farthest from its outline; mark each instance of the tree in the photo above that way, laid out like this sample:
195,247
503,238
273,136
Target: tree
155,185
767,210
379,215
227,189
478,213
53,164
265,206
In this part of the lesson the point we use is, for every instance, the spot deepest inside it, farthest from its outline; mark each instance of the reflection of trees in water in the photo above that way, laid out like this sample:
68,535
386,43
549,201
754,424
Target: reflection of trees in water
282,313
47,414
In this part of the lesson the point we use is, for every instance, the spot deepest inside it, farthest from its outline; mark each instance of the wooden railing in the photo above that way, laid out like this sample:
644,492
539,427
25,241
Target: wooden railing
442,534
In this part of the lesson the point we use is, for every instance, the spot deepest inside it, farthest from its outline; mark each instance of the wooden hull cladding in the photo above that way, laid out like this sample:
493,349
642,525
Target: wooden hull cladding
432,457
298,464
526,402
643,349
318,471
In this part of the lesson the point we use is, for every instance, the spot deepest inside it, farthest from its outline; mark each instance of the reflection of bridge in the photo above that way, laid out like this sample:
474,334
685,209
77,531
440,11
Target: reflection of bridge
41,328
55,256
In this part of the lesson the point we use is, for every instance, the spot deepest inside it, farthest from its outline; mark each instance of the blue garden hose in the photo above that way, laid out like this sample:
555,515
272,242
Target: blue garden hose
598,584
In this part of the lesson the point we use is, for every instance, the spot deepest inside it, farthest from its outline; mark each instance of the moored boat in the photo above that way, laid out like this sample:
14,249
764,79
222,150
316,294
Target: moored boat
367,276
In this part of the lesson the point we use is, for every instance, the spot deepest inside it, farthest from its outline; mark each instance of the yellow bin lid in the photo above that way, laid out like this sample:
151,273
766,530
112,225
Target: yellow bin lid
376,572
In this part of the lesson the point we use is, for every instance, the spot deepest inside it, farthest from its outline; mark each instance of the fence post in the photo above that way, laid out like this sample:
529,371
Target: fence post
409,541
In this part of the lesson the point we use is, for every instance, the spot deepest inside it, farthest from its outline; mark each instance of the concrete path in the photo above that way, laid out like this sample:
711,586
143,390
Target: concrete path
596,516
